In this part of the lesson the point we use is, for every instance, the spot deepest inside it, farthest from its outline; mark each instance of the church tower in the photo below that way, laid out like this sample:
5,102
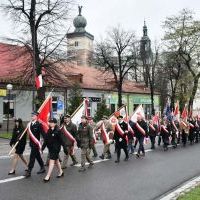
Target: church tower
145,46
80,42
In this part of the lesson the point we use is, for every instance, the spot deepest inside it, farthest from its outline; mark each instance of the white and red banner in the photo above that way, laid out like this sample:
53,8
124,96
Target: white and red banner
38,81
164,129
33,138
104,134
68,135
45,113
184,114
152,127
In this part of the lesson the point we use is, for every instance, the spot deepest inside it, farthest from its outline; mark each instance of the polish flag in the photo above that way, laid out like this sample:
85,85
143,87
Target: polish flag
184,114
80,111
45,113
38,81
139,111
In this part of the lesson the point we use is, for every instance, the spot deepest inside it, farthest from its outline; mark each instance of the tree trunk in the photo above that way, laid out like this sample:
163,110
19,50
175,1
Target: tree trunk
194,90
152,100
119,94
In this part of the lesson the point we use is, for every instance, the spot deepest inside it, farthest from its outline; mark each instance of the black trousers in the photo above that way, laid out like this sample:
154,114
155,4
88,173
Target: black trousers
119,147
141,145
152,138
35,154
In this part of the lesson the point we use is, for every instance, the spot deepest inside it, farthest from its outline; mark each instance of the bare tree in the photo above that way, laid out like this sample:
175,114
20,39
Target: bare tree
182,37
43,25
116,54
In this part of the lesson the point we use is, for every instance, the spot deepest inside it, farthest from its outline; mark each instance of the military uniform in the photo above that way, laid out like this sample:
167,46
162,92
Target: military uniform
68,145
165,133
37,130
84,141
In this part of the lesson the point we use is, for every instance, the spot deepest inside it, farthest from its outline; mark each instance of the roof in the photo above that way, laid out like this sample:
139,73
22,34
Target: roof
16,67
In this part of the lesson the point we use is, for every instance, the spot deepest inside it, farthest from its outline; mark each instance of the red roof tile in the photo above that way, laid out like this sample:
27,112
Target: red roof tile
16,65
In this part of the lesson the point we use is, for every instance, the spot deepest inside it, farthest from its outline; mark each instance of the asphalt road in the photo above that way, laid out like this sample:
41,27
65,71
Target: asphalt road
138,179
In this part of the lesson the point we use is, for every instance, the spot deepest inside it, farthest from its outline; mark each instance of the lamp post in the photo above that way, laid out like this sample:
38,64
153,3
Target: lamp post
9,87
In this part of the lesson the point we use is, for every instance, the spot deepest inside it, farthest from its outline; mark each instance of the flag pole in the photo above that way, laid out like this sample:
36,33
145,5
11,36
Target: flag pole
116,111
25,130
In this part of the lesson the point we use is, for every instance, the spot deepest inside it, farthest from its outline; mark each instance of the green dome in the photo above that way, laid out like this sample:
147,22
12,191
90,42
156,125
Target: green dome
80,22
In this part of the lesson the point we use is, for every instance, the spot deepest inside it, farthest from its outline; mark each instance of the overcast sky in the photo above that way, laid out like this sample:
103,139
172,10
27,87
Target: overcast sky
102,14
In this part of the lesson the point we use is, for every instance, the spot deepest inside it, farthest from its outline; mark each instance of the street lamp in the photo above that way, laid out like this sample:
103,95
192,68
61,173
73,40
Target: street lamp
9,87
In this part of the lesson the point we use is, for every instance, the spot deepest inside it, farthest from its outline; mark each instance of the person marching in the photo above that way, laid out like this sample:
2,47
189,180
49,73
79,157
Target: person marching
35,131
165,131
140,130
84,141
104,123
53,141
17,131
184,128
69,142
120,137
93,147
174,133
153,130
191,130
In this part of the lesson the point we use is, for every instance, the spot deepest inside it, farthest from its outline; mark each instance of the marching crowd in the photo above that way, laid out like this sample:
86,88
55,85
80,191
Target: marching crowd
123,135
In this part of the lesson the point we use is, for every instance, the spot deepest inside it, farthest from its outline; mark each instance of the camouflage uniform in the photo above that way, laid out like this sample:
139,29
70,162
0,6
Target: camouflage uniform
85,139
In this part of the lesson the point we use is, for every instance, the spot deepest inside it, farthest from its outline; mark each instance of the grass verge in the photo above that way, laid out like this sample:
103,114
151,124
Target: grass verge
194,194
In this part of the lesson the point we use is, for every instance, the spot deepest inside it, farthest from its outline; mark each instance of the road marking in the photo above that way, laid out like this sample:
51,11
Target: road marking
95,161
11,179
187,186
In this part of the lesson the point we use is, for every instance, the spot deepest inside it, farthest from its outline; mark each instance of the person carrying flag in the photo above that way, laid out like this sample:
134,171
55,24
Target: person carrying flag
165,132
153,130
84,141
68,145
140,130
120,137
106,131
35,130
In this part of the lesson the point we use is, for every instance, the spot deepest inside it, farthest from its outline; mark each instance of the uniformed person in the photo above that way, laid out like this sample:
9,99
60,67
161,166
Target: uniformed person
109,130
69,145
84,141
184,128
140,130
121,139
153,130
165,132
191,136
17,131
53,141
93,147
37,131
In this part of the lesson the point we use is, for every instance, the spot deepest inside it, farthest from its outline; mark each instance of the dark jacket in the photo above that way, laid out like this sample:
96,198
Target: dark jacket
117,137
37,130
165,135
143,124
15,136
53,140
153,133
84,136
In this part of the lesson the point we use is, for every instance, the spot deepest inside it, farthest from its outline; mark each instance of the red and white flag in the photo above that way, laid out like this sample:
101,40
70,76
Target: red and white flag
80,111
104,134
45,113
38,81
33,138
184,114
139,111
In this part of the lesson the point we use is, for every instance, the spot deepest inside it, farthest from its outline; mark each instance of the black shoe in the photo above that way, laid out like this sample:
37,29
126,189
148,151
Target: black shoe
117,161
102,157
42,170
59,176
91,165
95,155
137,155
11,173
82,169
27,174
126,159
46,180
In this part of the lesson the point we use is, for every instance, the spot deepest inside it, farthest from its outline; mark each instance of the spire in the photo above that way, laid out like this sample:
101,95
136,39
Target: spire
145,29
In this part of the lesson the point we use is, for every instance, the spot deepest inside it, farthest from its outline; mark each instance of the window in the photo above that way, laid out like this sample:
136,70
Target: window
54,104
8,109
76,43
